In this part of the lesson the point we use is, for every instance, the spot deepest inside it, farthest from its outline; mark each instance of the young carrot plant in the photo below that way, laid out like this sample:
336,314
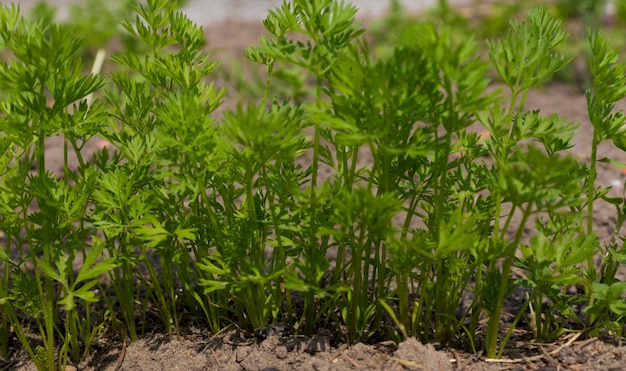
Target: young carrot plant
329,29
154,203
528,181
605,303
45,210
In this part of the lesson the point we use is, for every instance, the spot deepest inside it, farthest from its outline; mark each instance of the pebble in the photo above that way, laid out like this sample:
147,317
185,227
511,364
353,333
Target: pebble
281,352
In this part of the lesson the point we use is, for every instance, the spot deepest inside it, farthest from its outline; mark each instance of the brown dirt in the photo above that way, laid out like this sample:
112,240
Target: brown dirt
232,350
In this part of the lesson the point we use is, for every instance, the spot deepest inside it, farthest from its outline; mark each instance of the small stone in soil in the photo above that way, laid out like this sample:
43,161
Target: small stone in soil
278,329
281,352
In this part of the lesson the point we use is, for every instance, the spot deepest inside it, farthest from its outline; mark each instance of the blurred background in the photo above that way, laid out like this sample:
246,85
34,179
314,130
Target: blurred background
207,11
232,25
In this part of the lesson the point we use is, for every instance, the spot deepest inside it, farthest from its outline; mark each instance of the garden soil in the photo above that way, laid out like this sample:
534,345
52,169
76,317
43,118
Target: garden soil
233,349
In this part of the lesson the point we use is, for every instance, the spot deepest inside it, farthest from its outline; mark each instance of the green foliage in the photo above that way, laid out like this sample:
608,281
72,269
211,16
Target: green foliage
527,57
45,67
590,11
608,74
97,20
270,213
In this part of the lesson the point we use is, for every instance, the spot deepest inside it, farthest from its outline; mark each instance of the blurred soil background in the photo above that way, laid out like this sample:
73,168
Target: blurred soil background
207,12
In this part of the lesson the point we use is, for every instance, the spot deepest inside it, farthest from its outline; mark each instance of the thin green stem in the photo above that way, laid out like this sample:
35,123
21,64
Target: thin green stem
508,221
360,268
257,253
591,186
494,321
402,292
522,101
278,255
46,288
268,80
590,203
511,118
19,333
313,240
72,333
511,328
474,307
539,325
47,294
380,275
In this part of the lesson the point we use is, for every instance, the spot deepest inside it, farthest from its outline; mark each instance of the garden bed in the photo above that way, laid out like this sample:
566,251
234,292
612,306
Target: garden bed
234,349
